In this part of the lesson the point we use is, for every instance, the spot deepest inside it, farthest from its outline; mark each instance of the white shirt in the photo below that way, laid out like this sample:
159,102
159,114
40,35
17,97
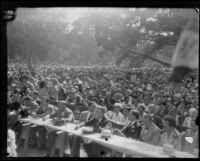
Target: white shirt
125,121
115,117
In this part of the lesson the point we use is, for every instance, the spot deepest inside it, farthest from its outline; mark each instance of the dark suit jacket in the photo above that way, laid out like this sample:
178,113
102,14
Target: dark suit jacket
158,121
132,130
85,116
96,124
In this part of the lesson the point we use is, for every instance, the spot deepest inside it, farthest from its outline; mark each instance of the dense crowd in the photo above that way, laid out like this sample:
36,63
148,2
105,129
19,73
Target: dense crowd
138,103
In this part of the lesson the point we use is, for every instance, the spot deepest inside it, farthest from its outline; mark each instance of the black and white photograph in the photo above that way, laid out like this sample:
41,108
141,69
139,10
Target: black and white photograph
114,82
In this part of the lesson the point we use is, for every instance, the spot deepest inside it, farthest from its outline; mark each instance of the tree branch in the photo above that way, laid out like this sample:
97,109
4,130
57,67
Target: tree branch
147,56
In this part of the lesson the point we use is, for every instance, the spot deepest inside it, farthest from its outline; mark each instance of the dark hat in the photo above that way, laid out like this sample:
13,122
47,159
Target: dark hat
170,120
135,113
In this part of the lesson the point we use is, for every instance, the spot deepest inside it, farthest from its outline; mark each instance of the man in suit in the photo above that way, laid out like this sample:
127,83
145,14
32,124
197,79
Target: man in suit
61,116
89,114
31,107
44,111
150,132
155,118
98,123
133,129
84,117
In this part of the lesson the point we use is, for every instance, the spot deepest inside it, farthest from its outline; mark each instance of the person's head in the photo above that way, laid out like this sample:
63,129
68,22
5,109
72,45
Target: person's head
35,94
128,92
125,111
117,107
72,92
135,102
27,100
54,81
141,109
92,106
44,101
193,113
15,79
133,115
99,112
147,120
169,122
41,84
77,113
117,96
24,79
108,94
152,108
146,100
101,102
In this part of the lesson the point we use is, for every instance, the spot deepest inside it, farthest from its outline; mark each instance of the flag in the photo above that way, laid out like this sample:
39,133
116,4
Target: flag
186,55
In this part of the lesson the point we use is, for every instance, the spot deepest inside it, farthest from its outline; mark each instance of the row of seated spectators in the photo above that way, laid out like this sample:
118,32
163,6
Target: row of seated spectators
164,112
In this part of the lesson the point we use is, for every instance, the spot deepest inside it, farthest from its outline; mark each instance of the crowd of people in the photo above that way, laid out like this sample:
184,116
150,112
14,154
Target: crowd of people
138,103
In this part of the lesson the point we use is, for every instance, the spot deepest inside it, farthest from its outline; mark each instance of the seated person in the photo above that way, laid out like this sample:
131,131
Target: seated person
169,135
53,91
30,105
142,112
77,115
155,118
11,144
192,132
89,114
132,130
61,116
115,115
35,96
44,111
150,133
31,108
125,113
83,117
98,122
193,115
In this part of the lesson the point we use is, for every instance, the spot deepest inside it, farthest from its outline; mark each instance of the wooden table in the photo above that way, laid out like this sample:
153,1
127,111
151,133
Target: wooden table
117,143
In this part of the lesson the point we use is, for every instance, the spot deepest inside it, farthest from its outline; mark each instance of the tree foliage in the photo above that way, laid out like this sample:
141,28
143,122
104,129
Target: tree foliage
138,34
97,36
